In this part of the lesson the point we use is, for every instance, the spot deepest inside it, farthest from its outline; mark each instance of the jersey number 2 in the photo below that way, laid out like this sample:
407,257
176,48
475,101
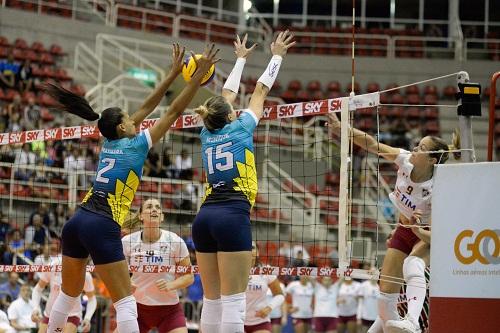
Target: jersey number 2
227,156
110,164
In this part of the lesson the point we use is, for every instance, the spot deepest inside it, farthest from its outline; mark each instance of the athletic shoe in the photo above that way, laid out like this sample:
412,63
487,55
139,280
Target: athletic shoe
402,326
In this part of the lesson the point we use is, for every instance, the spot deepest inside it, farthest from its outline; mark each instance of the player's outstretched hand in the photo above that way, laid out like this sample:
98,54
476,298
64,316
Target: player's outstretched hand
207,59
240,48
282,43
177,59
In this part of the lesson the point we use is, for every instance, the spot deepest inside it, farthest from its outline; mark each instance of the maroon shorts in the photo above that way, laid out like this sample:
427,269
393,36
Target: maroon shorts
259,327
276,321
403,240
164,317
345,319
305,321
73,319
367,323
324,324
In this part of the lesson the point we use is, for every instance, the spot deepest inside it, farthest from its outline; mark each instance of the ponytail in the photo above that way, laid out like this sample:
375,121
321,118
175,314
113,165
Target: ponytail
70,102
214,112
455,144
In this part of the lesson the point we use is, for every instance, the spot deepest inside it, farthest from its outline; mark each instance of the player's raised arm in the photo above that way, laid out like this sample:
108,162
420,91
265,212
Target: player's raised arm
278,48
181,102
156,96
232,84
365,140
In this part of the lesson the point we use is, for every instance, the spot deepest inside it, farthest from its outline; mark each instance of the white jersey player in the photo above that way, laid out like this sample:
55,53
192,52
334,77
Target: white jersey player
369,292
325,316
279,314
347,301
408,248
258,306
300,294
157,293
54,279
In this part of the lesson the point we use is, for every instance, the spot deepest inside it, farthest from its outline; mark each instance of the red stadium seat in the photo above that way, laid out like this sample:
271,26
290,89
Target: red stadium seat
303,96
430,99
334,94
413,99
392,86
431,90
295,85
45,115
314,86
397,99
4,41
317,95
333,86
412,90
20,43
357,88
289,96
38,47
372,87
46,58
449,92
56,50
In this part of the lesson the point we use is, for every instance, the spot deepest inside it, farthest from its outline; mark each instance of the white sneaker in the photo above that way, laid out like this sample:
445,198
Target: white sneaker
406,325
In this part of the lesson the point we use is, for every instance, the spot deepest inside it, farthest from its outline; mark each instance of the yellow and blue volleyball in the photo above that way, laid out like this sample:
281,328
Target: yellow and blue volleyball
190,67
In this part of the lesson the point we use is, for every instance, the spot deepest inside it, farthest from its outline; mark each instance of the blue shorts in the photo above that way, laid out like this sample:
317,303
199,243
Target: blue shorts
91,233
223,227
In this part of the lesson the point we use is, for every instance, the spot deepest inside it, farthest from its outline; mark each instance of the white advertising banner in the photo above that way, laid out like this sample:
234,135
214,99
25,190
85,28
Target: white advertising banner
465,245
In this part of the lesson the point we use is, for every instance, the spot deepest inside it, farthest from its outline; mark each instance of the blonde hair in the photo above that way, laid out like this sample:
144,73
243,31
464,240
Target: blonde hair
442,148
214,112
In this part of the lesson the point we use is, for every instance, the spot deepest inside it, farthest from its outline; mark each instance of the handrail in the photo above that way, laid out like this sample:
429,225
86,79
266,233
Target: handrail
87,61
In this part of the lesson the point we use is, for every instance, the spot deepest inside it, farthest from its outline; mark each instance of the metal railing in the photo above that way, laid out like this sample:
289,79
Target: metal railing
86,62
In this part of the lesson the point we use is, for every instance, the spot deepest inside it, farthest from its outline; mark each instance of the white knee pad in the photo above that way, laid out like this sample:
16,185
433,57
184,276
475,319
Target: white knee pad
126,309
233,308
211,313
413,267
388,306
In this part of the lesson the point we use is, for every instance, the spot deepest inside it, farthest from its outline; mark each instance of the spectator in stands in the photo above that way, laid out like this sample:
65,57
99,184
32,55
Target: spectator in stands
334,257
51,153
59,216
9,290
152,166
183,165
8,71
36,235
399,127
43,211
20,310
31,114
299,248
24,157
16,106
298,260
4,117
75,162
15,249
15,124
4,228
24,77
5,323
166,163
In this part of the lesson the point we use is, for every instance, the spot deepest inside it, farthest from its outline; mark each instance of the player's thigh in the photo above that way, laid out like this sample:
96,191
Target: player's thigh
209,273
179,330
70,328
422,250
351,327
116,278
262,331
234,269
392,271
73,275
42,328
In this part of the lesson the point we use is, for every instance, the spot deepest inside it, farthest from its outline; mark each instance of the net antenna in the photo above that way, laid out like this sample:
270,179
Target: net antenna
465,125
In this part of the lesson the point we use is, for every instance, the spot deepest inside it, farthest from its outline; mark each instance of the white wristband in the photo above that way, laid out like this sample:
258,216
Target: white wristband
271,73
233,80
276,301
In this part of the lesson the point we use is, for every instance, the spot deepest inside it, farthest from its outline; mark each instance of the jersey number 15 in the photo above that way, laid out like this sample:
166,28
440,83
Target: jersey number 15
225,157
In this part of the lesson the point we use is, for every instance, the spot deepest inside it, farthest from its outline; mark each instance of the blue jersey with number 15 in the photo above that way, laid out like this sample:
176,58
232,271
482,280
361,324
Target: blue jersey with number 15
228,160
118,175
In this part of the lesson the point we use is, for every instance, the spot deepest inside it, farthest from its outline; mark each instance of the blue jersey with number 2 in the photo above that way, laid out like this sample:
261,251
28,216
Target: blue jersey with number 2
118,175
228,160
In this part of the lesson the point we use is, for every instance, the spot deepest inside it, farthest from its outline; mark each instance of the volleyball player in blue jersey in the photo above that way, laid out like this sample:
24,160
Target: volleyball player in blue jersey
95,228
221,229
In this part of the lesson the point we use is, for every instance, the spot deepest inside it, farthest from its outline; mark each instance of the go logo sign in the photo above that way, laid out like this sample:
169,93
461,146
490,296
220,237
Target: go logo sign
478,248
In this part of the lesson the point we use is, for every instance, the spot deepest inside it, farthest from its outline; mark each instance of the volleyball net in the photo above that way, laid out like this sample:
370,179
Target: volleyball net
322,207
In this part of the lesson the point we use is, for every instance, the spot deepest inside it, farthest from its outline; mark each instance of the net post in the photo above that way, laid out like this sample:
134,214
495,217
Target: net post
343,247
465,126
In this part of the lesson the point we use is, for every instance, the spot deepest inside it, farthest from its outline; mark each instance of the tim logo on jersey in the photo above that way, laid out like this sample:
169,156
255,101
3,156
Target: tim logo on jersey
404,198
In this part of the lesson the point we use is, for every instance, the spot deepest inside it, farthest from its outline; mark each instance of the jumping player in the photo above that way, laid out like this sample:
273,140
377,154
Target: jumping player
95,227
221,230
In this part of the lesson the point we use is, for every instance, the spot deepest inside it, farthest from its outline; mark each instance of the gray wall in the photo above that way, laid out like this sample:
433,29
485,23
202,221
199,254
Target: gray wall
52,29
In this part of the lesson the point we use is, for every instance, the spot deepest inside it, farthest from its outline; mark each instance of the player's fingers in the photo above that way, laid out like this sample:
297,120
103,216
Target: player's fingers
290,45
253,47
289,38
245,39
238,40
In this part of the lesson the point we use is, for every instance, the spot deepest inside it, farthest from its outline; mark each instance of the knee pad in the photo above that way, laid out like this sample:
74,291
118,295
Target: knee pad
234,308
388,306
211,312
413,267
126,309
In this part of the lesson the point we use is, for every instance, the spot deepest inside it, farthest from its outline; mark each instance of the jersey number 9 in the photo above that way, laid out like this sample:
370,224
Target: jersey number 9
225,157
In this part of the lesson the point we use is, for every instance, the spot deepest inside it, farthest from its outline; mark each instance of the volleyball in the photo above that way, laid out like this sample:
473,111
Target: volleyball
190,67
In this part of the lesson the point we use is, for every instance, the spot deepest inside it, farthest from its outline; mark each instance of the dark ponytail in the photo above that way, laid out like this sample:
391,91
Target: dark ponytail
109,119
71,102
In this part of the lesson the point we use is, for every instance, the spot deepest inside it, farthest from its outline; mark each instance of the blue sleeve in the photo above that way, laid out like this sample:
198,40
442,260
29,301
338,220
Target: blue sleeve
248,121
142,142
